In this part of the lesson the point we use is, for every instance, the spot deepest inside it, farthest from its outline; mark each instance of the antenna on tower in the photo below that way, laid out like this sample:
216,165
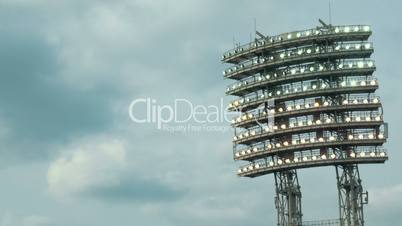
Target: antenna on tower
329,12
255,28
234,42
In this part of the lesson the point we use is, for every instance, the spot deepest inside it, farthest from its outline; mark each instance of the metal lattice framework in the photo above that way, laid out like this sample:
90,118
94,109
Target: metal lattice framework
307,99
288,198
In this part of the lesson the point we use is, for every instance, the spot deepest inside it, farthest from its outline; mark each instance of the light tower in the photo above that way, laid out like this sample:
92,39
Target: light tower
307,99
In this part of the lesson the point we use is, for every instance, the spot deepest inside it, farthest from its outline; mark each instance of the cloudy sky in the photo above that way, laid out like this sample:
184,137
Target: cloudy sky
71,155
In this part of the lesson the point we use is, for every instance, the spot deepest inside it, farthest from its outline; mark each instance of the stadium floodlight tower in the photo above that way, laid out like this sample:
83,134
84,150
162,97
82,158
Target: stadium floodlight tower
307,99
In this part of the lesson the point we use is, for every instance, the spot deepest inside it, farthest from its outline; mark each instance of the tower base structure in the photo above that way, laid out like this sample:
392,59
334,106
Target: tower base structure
351,195
288,198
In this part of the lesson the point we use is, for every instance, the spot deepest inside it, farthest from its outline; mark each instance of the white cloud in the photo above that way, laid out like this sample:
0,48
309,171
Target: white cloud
95,162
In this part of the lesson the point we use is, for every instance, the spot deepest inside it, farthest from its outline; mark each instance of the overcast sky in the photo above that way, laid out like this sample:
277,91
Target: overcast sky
71,156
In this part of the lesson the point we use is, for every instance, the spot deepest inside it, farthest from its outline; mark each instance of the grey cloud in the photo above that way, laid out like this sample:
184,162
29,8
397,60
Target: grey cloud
36,104
71,68
33,102
136,190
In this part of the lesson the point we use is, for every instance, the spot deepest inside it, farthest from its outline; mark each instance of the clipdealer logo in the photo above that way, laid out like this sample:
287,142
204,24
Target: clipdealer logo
181,112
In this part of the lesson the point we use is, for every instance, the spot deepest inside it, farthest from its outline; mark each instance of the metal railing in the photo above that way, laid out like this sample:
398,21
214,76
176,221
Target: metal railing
310,33
281,93
260,128
258,114
297,70
313,142
331,222
286,55
303,160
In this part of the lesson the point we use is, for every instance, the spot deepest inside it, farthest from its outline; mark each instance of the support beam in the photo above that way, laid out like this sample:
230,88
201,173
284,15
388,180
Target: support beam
323,23
288,198
351,196
259,34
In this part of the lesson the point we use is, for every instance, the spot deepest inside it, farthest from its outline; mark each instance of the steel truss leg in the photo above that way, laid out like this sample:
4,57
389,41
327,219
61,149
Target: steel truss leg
288,198
351,196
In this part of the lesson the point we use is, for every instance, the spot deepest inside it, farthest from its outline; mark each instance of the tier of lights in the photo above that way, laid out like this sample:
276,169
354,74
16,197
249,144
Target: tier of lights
260,133
250,101
297,38
302,72
295,56
262,167
252,118
306,99
264,149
